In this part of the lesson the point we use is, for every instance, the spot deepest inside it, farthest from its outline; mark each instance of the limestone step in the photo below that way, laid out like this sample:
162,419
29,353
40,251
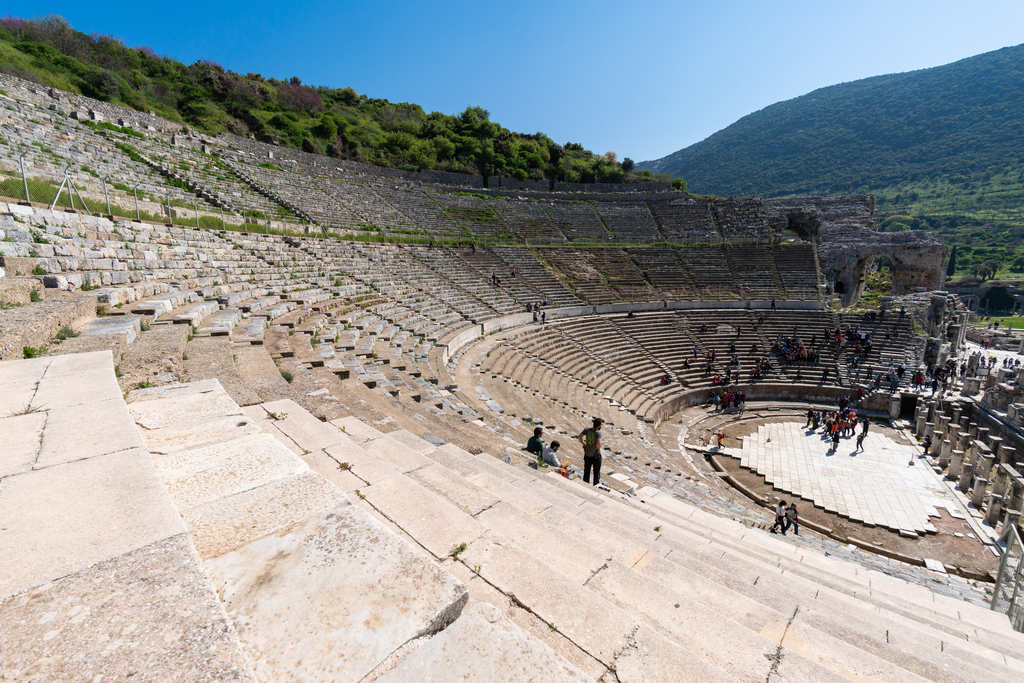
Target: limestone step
130,327
544,540
483,645
220,323
740,571
265,545
94,550
724,599
639,556
912,599
333,598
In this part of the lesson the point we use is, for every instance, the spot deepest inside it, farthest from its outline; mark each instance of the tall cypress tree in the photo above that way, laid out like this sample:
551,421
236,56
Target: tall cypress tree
951,268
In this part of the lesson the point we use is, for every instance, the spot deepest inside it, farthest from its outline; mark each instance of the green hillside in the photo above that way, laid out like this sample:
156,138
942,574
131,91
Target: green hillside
334,121
942,147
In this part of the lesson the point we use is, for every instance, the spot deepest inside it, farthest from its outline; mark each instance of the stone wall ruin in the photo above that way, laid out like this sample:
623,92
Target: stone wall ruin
843,228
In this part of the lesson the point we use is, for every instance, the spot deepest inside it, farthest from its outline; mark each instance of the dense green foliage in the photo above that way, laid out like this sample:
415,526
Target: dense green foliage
942,149
334,121
956,124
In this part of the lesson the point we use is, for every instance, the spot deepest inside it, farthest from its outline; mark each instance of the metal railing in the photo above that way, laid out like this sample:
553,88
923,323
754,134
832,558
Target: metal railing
1008,595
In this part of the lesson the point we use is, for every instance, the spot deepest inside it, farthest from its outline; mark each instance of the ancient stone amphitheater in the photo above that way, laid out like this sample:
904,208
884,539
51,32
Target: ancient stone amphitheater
277,449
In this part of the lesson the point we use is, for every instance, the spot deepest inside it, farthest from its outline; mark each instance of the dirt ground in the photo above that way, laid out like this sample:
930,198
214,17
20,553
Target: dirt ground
968,552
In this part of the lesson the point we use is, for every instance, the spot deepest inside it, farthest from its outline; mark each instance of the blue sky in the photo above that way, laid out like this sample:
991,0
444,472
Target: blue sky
642,78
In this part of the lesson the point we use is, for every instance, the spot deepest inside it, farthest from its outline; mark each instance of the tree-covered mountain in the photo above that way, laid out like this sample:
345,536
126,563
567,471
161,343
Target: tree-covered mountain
953,125
941,149
335,121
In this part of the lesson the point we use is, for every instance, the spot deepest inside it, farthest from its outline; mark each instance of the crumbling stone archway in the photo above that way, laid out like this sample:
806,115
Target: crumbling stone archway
913,267
843,227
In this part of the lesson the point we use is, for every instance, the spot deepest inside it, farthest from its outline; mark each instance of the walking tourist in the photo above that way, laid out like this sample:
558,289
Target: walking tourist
792,519
780,518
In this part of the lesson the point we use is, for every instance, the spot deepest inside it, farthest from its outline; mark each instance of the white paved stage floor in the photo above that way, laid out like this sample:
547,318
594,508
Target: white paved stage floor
875,485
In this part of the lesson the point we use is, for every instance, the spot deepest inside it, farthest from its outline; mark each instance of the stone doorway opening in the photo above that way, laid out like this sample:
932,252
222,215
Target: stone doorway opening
908,406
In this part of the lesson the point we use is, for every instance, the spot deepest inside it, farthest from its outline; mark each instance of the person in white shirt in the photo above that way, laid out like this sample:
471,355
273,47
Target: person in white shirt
550,457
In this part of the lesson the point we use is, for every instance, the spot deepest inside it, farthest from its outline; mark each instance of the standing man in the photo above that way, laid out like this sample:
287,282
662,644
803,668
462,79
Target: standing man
590,439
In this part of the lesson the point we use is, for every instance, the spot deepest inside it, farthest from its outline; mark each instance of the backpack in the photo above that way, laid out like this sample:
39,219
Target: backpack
589,436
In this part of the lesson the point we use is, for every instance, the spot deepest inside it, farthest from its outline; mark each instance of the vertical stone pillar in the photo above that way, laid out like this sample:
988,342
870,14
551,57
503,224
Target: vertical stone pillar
1014,501
965,440
941,425
1007,455
944,452
977,449
954,435
995,508
922,418
957,411
983,435
895,405
999,481
966,474
972,429
1010,517
956,461
995,443
984,465
929,429
978,491
972,385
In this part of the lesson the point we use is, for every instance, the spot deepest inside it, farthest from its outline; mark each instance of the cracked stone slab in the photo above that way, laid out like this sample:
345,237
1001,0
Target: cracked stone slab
652,658
141,614
468,497
483,645
182,408
303,428
228,523
98,508
204,386
356,429
16,397
188,436
344,569
597,626
435,523
396,454
201,475
87,430
414,442
22,435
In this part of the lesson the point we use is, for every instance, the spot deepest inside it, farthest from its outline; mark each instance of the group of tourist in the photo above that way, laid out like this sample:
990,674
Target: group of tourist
728,400
838,423
879,315
589,438
786,517
792,349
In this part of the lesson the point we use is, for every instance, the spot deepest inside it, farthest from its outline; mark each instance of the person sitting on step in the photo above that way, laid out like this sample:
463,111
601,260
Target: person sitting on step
535,445
550,458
